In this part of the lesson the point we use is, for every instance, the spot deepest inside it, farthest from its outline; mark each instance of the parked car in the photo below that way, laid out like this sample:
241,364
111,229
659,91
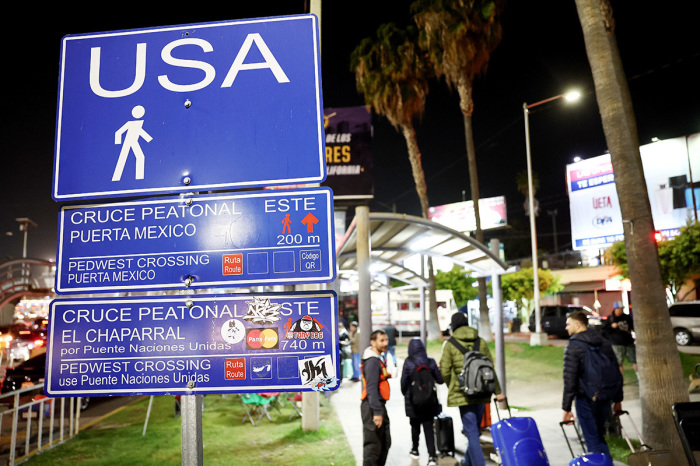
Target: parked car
26,374
25,343
685,319
554,318
30,372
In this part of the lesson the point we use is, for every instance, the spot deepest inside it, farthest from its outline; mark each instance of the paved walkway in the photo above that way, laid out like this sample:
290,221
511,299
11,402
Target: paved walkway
346,401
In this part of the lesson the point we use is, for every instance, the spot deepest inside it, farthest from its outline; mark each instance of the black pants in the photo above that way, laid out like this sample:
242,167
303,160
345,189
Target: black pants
427,430
375,441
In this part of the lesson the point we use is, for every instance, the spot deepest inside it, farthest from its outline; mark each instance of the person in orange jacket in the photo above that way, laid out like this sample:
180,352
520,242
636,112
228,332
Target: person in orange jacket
376,434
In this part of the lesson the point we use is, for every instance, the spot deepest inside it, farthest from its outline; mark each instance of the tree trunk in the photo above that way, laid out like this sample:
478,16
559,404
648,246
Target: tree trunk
467,106
414,156
661,383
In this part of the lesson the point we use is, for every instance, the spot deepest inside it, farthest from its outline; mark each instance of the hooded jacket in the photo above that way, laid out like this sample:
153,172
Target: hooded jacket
451,366
418,357
375,383
574,356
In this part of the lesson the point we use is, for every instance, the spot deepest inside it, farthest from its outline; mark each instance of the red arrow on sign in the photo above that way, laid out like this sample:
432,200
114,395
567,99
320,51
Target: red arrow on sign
310,220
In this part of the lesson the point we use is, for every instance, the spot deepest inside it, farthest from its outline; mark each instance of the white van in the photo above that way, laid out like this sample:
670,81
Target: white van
404,308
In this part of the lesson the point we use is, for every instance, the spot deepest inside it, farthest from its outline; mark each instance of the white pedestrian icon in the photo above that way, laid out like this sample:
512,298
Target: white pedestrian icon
134,131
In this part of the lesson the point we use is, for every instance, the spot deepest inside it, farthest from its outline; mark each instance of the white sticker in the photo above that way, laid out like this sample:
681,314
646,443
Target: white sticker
232,331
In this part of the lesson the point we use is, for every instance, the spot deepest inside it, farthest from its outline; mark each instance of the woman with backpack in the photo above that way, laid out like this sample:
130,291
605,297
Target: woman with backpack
418,379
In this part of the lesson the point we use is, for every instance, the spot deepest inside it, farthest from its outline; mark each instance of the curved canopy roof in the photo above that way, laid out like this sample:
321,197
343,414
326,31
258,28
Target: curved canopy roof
395,237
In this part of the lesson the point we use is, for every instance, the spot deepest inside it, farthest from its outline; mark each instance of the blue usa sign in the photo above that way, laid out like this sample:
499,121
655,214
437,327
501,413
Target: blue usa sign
189,108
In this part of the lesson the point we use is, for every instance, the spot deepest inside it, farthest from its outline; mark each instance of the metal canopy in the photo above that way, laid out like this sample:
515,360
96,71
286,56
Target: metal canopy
395,237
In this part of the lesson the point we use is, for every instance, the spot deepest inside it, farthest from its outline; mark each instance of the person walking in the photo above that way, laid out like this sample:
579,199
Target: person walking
420,414
593,403
355,349
345,353
618,330
391,332
471,409
376,435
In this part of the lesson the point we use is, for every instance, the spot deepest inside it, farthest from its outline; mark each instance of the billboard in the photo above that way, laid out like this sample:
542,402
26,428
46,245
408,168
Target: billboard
460,215
349,152
672,173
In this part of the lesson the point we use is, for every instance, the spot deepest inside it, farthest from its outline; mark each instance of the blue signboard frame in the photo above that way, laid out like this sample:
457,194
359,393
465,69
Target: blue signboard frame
189,108
195,344
271,237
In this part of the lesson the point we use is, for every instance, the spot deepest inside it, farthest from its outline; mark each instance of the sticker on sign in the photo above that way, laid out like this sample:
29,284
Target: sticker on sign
192,345
189,108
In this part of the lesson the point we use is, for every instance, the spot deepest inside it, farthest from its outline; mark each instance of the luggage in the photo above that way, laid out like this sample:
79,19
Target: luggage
587,459
517,441
486,418
444,434
646,456
687,419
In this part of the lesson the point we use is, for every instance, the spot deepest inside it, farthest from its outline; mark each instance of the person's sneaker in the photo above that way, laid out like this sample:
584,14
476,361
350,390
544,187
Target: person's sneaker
414,454
432,461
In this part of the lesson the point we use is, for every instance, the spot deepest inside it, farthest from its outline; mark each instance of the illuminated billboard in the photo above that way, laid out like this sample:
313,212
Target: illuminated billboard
672,175
460,215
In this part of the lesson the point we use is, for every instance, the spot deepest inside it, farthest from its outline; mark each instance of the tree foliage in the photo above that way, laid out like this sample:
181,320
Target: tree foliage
519,287
459,36
679,259
391,73
457,280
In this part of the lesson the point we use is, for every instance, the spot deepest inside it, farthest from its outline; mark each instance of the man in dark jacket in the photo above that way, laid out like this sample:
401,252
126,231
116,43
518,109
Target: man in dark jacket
375,393
591,413
420,415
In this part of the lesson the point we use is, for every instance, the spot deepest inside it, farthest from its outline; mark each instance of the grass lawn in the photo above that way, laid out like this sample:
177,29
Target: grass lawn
117,439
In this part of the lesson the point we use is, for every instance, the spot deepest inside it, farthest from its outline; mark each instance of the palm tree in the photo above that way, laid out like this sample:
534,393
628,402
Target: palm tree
459,37
392,74
393,78
660,373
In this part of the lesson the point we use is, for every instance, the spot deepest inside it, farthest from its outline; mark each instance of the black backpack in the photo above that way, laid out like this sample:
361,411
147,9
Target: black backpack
601,379
478,378
422,390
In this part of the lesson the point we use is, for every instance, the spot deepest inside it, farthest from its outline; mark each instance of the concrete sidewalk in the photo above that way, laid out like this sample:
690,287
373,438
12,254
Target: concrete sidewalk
346,401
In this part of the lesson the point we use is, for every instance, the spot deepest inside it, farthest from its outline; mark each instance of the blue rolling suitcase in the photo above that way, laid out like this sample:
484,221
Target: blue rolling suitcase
517,441
585,459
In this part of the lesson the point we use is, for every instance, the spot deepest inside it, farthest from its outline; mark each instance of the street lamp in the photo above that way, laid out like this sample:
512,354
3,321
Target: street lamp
24,224
538,338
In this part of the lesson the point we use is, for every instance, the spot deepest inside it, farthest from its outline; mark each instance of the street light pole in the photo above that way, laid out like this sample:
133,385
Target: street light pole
538,338
24,224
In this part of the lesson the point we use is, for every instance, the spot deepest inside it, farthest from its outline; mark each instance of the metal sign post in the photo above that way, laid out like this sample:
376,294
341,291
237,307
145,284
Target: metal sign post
191,430
191,108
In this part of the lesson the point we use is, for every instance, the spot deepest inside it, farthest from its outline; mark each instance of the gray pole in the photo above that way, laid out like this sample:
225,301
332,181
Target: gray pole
498,325
536,338
191,425
364,306
421,297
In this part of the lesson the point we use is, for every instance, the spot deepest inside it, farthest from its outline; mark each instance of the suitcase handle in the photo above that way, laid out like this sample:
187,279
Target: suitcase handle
498,413
578,434
643,445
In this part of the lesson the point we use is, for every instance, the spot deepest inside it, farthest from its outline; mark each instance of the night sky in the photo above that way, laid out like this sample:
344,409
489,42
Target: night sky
542,54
